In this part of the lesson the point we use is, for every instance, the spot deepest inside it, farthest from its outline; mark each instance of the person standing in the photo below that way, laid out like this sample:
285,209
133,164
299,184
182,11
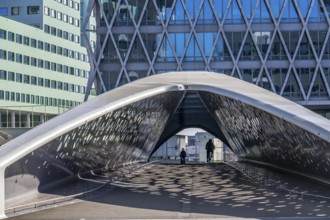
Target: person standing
209,150
183,155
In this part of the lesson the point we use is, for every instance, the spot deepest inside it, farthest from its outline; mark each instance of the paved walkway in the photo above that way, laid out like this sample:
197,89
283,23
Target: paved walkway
188,191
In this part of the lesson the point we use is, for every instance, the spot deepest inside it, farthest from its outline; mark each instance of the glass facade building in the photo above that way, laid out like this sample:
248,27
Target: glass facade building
280,45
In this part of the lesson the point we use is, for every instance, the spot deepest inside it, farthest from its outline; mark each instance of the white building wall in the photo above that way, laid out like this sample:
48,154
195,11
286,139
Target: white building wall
171,148
76,60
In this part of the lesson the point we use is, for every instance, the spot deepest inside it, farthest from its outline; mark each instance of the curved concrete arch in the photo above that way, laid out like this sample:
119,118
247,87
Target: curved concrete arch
126,125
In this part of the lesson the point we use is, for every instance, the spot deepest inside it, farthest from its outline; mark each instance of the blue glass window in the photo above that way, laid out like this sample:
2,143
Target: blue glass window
193,52
178,16
168,50
3,34
167,12
189,56
327,6
290,13
261,14
234,14
248,6
219,50
165,51
265,16
303,6
3,11
190,9
207,13
276,7
197,52
207,43
220,7
315,15
179,44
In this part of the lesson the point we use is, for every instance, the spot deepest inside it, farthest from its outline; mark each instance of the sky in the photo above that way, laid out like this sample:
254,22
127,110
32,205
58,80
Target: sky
190,131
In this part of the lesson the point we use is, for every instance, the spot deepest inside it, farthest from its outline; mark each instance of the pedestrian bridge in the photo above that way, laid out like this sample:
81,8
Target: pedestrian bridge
128,124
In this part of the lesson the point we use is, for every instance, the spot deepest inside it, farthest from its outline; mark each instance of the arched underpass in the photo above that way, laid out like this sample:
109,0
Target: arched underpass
126,125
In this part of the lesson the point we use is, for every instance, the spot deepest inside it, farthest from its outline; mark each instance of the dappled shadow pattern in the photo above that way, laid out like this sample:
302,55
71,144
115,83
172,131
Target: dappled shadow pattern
221,190
187,191
274,180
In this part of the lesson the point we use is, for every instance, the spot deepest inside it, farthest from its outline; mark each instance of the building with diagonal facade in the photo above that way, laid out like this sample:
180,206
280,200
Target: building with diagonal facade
280,45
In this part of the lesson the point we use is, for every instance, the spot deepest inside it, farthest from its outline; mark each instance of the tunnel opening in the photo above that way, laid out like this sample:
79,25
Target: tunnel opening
193,141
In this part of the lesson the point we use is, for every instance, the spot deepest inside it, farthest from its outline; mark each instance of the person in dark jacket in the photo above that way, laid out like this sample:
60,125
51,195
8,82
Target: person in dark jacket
183,155
209,150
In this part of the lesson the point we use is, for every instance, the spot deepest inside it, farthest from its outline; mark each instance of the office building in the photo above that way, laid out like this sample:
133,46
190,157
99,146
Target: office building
43,67
282,46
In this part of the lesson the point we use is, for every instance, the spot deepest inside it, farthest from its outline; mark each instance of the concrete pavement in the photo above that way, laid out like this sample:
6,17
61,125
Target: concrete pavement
188,191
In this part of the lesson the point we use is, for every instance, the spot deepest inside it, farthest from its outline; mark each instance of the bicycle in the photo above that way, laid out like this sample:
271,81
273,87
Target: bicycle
210,157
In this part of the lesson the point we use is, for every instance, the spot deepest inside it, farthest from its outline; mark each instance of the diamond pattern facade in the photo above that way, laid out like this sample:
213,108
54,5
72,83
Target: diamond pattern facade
280,45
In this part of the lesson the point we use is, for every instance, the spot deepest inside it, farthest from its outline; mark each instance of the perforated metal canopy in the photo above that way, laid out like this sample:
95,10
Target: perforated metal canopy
127,124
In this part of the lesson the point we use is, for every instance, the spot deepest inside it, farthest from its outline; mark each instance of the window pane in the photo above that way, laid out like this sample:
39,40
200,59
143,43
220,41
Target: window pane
3,34
15,11
11,36
33,9
46,11
3,74
26,41
3,11
18,38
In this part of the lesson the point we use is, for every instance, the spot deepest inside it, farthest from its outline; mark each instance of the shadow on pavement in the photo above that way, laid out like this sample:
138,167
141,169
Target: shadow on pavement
189,191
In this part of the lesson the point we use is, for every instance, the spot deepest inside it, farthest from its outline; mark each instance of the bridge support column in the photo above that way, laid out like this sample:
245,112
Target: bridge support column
2,194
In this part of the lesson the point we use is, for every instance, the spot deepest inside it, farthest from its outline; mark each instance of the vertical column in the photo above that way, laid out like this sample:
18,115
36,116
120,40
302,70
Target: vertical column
2,194
221,151
7,119
0,119
13,119
42,118
224,152
28,120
